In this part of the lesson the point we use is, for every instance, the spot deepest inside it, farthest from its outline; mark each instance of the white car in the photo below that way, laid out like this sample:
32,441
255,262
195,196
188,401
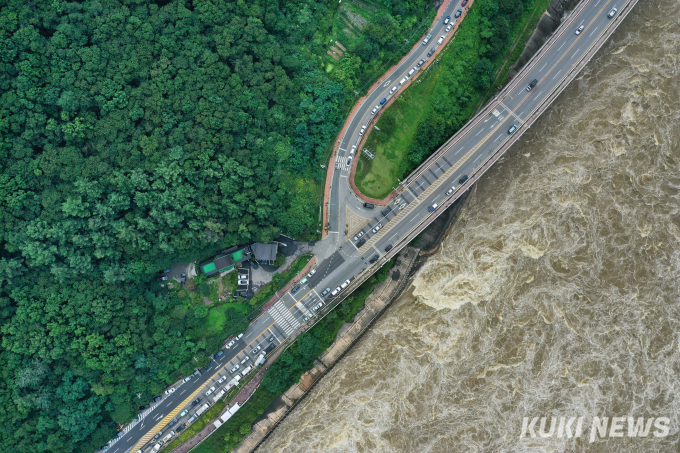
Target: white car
239,337
375,110
354,149
243,282
612,13
230,344
186,379
359,234
377,227
236,367
393,90
256,350
450,191
344,285
363,129
170,390
427,39
441,39
580,29
449,27
311,273
222,379
316,307
245,360
210,391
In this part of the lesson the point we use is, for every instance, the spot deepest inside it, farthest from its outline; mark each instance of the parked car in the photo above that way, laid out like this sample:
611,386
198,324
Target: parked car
374,259
580,29
335,291
234,368
450,191
375,110
441,39
427,39
295,289
612,13
448,28
368,206
447,20
386,211
361,242
239,336
243,282
218,354
393,90
167,271
512,129
311,273
186,379
230,344
210,391
255,265
325,291
463,179
183,413
432,208
157,399
317,306
458,13
163,279
359,234
170,390
388,248
431,52
256,350
245,360
377,227
363,129
344,285
412,71
353,150
196,401
222,379
465,2
420,63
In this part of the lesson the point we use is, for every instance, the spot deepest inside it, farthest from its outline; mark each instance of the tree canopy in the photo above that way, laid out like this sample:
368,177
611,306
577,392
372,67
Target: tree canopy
134,134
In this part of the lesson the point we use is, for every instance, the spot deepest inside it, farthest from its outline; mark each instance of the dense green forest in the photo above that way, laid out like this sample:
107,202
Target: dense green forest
134,134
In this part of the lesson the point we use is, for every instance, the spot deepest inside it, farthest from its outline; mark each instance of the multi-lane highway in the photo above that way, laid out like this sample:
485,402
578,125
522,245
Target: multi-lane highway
341,257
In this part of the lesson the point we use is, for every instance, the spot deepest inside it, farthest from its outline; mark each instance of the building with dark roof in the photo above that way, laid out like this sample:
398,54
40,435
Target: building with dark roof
264,252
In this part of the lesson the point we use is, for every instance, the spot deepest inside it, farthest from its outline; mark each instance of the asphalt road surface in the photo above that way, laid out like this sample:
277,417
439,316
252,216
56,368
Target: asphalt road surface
341,259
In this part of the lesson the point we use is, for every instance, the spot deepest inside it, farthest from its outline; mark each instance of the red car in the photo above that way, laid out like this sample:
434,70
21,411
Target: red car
464,3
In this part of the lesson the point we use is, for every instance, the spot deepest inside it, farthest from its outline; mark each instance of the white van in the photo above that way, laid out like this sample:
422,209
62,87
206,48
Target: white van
412,71
402,81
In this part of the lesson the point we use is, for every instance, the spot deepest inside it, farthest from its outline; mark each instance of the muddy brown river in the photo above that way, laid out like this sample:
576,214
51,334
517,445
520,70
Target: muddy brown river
553,303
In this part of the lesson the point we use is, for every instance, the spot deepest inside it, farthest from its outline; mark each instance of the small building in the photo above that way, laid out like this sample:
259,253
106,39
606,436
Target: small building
226,260
264,253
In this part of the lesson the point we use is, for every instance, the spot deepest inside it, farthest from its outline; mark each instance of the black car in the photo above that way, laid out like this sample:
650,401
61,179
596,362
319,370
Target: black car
180,427
458,13
255,265
361,242
420,63
388,248
368,206
295,289
431,52
374,259
386,211
196,402
463,179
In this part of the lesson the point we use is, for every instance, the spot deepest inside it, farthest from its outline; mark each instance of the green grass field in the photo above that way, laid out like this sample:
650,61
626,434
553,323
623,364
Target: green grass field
397,125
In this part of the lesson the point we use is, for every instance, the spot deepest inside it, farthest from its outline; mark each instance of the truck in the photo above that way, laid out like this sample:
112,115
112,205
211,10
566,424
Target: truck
202,409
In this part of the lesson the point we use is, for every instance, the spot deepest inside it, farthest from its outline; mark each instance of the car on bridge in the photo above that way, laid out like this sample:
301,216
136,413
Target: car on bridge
450,191
374,259
611,14
317,306
533,83
388,248
432,208
344,285
335,291
463,179
512,129
580,29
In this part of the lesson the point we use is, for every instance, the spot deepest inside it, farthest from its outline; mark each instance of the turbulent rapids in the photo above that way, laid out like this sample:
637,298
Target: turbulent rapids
555,294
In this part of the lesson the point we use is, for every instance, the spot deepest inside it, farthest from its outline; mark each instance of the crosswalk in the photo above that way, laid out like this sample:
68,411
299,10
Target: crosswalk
341,163
284,318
